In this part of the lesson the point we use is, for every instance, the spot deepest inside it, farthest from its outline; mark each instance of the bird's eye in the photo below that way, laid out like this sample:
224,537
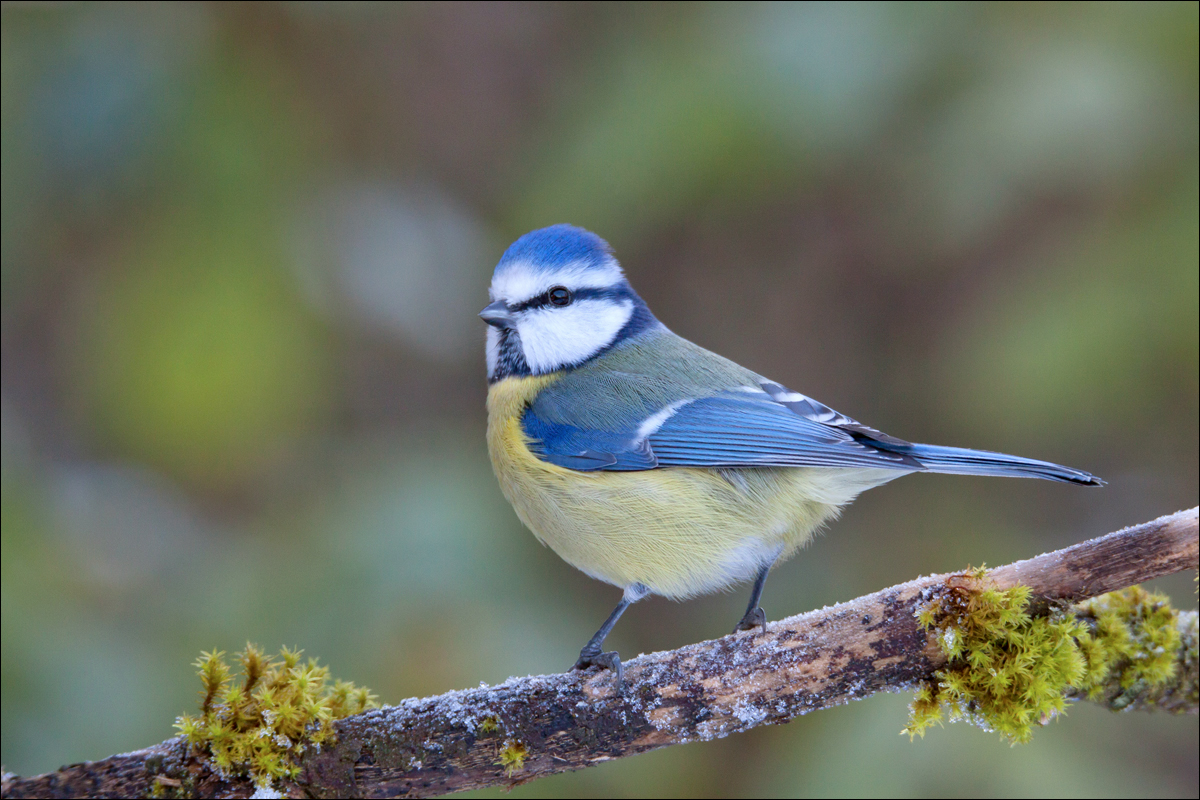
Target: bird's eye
560,296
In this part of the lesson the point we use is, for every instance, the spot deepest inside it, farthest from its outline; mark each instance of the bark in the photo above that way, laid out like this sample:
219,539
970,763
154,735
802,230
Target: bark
534,726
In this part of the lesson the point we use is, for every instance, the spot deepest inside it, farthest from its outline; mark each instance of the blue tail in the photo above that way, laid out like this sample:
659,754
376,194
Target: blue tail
960,461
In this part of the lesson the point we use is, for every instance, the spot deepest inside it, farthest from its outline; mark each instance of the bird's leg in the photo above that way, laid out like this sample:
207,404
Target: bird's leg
592,654
755,617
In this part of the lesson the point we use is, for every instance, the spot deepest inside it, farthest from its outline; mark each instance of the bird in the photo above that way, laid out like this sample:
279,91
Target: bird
653,464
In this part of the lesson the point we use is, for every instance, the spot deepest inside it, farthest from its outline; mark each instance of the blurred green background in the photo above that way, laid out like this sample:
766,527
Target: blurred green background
243,384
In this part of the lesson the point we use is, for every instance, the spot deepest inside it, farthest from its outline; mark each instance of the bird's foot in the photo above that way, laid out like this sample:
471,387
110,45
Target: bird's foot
755,618
610,660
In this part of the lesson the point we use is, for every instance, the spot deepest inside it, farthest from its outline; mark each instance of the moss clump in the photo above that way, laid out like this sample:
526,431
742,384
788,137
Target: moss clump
259,725
513,756
1131,646
1009,670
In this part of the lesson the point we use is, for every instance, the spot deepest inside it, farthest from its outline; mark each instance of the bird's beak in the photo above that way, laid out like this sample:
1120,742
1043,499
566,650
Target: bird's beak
497,314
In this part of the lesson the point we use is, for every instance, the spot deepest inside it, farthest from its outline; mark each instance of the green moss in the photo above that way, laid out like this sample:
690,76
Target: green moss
513,756
1009,670
1132,643
260,724
166,788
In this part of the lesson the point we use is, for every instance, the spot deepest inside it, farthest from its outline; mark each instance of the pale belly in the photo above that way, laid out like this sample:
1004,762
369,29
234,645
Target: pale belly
680,532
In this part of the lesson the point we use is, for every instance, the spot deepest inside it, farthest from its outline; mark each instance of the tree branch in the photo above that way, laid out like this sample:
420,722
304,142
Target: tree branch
534,726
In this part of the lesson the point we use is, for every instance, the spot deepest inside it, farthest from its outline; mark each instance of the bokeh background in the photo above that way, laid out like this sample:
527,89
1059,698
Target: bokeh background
243,384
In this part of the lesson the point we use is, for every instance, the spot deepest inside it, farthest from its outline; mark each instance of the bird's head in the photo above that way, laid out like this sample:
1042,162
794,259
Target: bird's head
559,299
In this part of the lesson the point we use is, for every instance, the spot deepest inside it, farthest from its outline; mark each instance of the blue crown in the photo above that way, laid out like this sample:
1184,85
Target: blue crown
549,248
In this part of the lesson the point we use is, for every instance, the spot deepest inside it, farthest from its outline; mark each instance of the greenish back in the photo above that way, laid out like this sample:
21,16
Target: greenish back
637,378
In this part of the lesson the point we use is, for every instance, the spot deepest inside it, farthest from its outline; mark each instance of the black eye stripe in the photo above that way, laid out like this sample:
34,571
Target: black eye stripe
543,299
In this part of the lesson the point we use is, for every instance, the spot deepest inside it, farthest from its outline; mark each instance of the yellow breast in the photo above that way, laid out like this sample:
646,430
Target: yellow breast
679,531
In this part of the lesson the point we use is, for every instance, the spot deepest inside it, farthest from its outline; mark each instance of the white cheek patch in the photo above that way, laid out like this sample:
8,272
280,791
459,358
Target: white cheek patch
522,281
554,337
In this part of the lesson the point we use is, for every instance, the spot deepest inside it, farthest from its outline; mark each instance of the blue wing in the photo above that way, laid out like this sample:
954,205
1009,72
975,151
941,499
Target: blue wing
767,426
586,449
747,428
744,430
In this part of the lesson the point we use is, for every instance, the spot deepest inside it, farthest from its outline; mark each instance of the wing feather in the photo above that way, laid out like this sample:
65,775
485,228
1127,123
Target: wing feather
742,430
624,421
737,428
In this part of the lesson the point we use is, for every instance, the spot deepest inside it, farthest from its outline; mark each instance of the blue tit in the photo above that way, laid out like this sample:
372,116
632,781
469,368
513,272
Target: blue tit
653,464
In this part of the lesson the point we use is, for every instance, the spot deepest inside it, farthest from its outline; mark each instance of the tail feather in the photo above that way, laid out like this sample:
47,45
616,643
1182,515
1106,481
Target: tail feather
961,461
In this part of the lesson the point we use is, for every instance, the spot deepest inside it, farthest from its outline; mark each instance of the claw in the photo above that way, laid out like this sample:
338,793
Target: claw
755,618
610,660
